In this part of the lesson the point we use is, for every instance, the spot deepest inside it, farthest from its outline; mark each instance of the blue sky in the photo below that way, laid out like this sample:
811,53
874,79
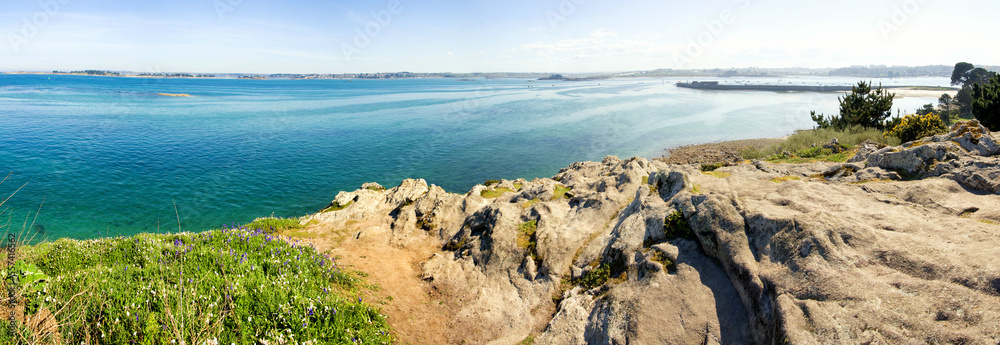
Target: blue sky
298,36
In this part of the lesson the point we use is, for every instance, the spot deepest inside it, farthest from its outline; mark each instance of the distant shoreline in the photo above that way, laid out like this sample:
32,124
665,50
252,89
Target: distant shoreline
408,75
900,91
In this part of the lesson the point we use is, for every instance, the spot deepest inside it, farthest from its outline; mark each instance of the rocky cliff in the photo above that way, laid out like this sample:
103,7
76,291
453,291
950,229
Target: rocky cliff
899,245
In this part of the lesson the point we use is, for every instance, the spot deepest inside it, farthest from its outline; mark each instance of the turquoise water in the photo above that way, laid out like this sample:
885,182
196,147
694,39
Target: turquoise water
111,157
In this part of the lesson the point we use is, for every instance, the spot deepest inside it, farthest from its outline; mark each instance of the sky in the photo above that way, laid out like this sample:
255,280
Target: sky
566,36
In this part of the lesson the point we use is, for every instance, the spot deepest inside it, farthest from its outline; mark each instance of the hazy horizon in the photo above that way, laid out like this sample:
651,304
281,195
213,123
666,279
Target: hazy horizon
566,36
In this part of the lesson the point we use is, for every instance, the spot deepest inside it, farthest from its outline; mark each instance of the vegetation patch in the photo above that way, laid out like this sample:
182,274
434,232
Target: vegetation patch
658,256
231,285
695,189
491,182
813,152
676,226
717,174
712,166
560,191
804,140
913,127
645,179
455,244
426,222
595,277
785,179
495,192
335,206
275,225
530,203
526,239
527,341
375,188
517,186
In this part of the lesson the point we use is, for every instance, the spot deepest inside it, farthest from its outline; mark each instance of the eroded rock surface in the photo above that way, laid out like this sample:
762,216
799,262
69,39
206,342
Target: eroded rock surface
823,253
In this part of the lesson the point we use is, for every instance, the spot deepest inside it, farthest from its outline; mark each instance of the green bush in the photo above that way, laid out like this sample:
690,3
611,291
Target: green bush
913,127
491,182
595,277
986,103
675,225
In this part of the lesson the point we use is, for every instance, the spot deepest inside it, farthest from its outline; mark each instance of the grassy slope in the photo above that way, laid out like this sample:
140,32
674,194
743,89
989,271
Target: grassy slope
237,285
801,145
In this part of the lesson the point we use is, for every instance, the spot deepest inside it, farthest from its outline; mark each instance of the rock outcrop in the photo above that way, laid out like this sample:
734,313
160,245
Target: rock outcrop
901,245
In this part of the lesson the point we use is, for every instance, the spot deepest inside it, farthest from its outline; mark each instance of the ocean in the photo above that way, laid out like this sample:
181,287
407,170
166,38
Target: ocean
108,156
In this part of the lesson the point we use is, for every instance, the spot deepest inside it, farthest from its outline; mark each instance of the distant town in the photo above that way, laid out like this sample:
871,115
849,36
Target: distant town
873,71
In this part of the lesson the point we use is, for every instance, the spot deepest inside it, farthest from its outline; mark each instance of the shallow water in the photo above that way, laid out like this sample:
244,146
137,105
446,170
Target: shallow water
111,157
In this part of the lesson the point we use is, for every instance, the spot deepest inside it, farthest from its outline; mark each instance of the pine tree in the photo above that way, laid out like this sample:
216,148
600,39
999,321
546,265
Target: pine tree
986,103
864,106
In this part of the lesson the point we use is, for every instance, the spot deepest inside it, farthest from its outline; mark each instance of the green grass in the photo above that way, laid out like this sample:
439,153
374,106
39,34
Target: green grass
526,237
802,143
784,179
493,193
517,186
716,174
696,189
527,341
335,206
272,224
559,191
232,285
530,203
491,182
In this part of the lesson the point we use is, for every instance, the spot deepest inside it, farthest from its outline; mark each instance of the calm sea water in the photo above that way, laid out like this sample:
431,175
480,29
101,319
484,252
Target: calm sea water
111,157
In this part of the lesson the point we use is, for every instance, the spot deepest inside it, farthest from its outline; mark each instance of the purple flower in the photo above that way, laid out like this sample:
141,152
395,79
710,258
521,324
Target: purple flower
310,311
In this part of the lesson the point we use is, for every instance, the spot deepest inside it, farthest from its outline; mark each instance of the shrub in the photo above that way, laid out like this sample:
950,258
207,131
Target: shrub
595,277
675,225
986,103
913,127
491,182
864,106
